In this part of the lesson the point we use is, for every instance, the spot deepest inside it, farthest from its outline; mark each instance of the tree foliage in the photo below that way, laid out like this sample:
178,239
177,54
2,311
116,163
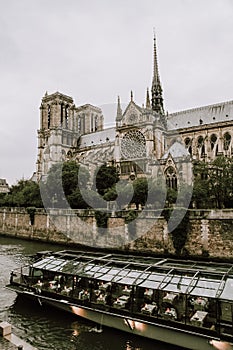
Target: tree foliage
125,193
213,183
62,187
140,187
106,178
25,193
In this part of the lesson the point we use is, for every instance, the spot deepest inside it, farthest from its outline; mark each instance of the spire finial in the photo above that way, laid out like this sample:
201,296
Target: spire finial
131,96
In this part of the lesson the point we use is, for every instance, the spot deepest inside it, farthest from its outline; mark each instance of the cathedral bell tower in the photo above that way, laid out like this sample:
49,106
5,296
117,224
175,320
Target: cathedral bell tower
56,129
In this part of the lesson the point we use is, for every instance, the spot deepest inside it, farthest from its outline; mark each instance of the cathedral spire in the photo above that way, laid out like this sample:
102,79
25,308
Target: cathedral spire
119,110
156,89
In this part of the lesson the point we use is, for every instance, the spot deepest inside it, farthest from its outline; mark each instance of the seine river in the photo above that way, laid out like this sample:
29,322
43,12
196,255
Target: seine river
48,329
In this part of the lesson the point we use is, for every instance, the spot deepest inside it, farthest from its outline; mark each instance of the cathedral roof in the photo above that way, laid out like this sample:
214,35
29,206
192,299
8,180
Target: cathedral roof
177,150
220,112
98,138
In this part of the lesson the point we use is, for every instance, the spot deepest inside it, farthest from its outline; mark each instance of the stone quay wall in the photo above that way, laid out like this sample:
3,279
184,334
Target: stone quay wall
210,232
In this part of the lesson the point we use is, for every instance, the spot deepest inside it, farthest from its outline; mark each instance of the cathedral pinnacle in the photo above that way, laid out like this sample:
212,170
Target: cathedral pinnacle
119,110
148,99
131,96
156,89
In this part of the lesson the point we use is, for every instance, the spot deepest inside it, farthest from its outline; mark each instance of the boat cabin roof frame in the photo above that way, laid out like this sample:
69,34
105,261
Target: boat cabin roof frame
212,280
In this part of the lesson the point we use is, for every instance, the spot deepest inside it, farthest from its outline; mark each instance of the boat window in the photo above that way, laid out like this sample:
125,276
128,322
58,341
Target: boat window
37,273
226,312
227,291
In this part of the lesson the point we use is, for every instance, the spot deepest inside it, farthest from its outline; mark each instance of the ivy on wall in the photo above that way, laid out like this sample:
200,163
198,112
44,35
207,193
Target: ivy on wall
31,211
178,226
101,218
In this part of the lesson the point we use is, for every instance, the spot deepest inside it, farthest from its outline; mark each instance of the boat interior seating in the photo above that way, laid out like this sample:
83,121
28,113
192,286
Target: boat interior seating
155,292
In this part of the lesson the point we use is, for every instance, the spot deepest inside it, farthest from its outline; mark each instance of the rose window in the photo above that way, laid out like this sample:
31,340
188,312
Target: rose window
133,145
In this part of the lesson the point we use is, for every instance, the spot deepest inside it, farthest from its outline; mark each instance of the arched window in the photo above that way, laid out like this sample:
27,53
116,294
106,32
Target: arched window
188,144
96,122
69,154
171,178
200,141
213,139
226,141
201,145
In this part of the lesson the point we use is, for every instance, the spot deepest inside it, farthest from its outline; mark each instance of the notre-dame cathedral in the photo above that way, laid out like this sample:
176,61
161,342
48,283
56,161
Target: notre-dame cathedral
145,140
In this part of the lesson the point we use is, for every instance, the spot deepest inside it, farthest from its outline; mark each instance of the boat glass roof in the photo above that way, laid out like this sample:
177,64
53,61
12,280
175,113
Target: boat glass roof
206,279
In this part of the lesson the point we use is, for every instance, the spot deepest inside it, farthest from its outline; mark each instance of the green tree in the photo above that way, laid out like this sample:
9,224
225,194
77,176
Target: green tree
221,181
61,189
73,176
140,187
213,183
52,188
25,193
201,188
86,199
156,193
106,178
110,195
67,187
125,193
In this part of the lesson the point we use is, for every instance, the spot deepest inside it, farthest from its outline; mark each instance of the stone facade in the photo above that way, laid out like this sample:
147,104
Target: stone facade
140,144
61,125
4,187
145,140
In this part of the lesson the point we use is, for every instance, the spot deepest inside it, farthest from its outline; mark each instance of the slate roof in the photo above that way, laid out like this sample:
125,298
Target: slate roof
220,112
98,137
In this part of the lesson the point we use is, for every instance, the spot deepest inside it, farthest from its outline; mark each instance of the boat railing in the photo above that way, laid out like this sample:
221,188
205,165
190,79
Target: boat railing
20,276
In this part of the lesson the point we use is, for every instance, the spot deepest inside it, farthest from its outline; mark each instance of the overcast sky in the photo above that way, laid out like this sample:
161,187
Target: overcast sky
96,50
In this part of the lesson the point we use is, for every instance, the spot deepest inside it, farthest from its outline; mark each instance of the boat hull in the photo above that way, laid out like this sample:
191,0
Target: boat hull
155,331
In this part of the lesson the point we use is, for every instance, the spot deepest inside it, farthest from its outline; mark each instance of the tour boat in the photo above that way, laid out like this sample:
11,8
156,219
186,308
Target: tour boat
182,302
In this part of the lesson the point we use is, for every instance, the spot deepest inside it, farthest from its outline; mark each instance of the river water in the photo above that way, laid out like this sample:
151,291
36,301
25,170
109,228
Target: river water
48,329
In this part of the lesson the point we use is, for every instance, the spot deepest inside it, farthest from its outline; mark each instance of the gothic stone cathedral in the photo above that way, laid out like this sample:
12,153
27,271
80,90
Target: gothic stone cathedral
144,140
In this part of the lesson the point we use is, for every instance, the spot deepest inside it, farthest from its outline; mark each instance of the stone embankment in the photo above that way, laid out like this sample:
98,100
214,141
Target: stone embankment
209,232
10,341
